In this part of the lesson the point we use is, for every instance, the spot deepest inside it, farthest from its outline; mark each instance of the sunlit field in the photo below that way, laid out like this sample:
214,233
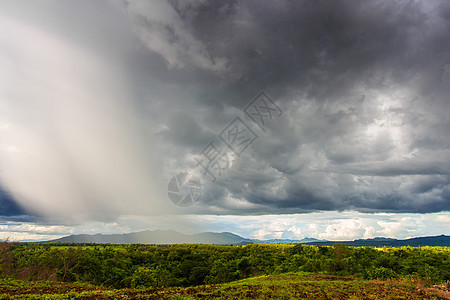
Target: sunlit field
207,271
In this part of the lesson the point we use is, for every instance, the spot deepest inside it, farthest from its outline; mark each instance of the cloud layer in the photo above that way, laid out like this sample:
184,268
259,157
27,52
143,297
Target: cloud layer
97,116
326,225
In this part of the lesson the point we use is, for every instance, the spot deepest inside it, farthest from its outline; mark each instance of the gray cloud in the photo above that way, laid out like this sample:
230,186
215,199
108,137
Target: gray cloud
363,86
365,90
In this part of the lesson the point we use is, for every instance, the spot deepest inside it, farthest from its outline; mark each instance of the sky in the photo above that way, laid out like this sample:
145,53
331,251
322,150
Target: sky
268,119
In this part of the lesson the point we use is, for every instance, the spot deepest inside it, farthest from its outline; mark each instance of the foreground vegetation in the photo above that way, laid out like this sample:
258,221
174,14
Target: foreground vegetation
285,286
49,271
138,266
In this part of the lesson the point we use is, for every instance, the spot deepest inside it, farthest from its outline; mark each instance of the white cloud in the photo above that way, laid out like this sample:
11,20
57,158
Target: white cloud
262,234
369,232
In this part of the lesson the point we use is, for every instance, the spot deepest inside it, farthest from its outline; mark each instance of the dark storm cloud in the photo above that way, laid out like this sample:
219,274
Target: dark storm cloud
324,48
8,207
364,87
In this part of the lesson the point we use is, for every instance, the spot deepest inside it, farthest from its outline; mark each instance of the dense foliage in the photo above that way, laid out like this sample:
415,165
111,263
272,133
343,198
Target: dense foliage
283,286
186,265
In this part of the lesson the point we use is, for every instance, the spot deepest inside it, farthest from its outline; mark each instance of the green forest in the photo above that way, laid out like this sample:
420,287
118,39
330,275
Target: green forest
144,266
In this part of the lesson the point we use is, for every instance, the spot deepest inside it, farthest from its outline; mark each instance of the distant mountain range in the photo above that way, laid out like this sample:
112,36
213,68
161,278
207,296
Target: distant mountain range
157,237
173,237
440,240
227,238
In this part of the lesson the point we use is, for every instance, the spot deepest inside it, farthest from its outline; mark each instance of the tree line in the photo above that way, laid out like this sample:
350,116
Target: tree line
139,265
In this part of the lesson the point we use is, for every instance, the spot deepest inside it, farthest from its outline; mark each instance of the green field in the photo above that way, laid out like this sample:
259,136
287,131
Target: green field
58,271
286,286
